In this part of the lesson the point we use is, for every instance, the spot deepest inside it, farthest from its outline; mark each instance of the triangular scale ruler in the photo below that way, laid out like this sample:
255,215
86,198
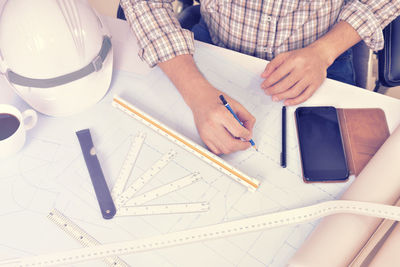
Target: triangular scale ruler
81,236
187,144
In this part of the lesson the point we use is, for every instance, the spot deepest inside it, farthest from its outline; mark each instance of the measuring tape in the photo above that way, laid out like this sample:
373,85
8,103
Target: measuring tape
81,236
283,218
186,144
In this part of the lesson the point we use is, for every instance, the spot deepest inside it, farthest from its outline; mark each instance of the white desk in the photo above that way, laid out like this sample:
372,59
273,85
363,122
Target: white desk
50,172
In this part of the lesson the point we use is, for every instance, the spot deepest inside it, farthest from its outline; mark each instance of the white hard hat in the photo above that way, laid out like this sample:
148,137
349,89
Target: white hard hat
57,54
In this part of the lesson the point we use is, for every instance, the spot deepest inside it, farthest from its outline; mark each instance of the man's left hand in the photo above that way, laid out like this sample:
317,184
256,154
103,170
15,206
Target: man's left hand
294,76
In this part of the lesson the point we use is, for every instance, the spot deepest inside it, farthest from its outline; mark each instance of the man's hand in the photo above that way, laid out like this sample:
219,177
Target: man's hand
294,76
217,127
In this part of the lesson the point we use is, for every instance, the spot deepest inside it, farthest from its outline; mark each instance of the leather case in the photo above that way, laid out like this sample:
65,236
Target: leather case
364,130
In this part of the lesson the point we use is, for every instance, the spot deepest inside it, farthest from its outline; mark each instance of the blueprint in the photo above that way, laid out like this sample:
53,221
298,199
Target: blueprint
50,173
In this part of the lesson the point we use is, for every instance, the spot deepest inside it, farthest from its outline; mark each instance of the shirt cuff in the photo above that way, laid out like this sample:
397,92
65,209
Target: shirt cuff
167,45
361,18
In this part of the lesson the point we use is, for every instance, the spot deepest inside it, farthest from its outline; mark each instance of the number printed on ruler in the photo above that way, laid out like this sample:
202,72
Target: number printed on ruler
128,164
128,202
242,226
81,236
163,209
138,184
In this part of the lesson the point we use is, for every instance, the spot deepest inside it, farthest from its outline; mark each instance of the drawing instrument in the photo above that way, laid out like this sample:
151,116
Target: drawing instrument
127,166
103,195
283,153
226,104
138,184
173,208
81,236
221,230
187,144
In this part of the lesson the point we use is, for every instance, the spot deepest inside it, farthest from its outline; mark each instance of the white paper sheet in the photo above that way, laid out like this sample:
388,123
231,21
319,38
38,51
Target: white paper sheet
50,172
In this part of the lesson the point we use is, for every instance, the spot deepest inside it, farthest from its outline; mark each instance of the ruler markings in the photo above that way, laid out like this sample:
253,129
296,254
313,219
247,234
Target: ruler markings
128,164
257,223
81,236
187,144
164,189
146,177
163,209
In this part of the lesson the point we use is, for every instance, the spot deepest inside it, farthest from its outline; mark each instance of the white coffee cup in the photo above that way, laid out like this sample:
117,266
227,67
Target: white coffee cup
13,127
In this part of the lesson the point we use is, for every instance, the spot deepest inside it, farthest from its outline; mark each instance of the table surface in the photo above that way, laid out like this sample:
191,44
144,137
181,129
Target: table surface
50,171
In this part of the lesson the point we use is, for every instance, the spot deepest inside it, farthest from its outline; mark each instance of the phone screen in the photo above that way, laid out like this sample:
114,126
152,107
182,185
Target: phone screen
321,147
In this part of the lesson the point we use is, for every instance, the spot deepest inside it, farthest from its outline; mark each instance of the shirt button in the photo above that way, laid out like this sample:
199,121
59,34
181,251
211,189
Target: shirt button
268,18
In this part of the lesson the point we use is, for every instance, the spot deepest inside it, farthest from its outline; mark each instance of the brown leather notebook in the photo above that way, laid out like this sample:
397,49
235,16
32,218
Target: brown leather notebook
364,130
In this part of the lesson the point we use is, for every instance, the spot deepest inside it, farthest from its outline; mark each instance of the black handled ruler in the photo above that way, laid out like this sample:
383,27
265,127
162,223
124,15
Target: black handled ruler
103,194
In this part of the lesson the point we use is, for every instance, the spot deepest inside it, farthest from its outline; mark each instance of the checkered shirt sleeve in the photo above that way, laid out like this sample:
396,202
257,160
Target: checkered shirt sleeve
369,17
158,32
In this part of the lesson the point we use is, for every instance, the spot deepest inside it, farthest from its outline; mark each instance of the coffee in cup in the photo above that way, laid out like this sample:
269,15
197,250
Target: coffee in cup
13,125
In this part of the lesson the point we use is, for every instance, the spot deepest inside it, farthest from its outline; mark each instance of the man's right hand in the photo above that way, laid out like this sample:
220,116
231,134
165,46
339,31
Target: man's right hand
217,127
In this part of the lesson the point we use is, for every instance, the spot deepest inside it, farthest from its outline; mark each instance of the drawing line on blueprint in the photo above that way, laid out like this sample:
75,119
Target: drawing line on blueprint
226,198
279,204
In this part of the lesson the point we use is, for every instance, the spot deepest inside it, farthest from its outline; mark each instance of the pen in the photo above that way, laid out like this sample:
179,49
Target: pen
226,104
283,154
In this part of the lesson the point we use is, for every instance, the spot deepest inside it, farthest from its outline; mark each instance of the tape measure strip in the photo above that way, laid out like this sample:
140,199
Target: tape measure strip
163,209
289,217
81,236
187,144
128,164
164,190
138,184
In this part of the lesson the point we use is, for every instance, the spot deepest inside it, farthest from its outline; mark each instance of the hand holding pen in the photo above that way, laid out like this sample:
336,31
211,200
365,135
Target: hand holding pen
218,129
226,104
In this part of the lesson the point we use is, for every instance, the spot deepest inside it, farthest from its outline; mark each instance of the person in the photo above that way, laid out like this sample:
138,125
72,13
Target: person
303,40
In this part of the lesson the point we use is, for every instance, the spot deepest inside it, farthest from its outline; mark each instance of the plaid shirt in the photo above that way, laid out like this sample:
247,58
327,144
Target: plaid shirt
261,28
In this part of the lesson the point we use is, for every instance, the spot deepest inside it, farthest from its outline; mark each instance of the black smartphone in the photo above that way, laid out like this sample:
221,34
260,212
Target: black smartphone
323,158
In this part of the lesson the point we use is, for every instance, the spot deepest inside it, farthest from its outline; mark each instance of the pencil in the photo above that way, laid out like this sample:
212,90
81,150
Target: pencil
226,104
283,153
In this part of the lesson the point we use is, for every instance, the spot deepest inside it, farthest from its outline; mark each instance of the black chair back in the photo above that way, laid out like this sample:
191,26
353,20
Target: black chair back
389,57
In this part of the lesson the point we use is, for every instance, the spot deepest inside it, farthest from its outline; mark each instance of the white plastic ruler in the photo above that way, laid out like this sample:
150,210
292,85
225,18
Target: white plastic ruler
81,236
130,204
164,190
289,217
127,166
163,209
127,194
187,144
